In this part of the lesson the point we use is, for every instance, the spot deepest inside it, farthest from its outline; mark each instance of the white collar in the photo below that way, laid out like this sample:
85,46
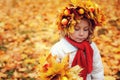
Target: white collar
67,47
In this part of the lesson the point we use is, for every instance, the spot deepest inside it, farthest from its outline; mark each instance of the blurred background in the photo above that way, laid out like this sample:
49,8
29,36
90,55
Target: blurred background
28,30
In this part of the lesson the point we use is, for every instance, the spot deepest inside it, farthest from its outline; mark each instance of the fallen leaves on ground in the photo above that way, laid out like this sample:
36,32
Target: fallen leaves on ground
28,30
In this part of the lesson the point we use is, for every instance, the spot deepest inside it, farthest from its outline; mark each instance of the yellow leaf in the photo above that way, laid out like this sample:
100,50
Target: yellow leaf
71,29
30,61
64,78
65,61
74,1
109,78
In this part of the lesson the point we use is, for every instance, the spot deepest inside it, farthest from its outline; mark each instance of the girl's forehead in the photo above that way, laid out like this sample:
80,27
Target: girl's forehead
82,22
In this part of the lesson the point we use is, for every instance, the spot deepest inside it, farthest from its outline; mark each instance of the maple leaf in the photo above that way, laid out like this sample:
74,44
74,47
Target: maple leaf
58,70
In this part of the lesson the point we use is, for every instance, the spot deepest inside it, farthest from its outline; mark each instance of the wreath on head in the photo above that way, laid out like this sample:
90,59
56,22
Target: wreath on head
80,9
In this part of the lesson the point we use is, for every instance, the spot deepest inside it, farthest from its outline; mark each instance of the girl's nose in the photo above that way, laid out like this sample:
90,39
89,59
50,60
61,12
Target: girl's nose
81,32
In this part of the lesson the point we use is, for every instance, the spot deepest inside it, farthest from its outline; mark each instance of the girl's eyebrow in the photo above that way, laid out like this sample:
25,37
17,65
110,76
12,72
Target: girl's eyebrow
86,27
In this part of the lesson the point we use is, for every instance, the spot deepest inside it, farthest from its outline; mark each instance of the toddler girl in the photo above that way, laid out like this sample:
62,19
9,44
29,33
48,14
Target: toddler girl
76,24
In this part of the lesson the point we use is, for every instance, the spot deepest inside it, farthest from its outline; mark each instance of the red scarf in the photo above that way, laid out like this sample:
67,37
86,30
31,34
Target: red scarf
83,57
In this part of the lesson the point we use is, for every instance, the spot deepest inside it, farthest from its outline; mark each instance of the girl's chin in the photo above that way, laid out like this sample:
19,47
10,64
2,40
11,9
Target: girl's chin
79,41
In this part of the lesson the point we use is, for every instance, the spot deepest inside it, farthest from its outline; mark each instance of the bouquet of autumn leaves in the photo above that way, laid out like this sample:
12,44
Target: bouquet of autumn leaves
50,69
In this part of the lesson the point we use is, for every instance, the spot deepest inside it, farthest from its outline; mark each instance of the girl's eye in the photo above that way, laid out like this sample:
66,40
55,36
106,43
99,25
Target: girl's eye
76,28
85,29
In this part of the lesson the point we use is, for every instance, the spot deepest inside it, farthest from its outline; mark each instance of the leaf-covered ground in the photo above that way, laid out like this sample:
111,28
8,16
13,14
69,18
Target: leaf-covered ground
28,30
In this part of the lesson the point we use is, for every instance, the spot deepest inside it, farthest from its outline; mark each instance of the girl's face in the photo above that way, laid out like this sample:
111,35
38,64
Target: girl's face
81,31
